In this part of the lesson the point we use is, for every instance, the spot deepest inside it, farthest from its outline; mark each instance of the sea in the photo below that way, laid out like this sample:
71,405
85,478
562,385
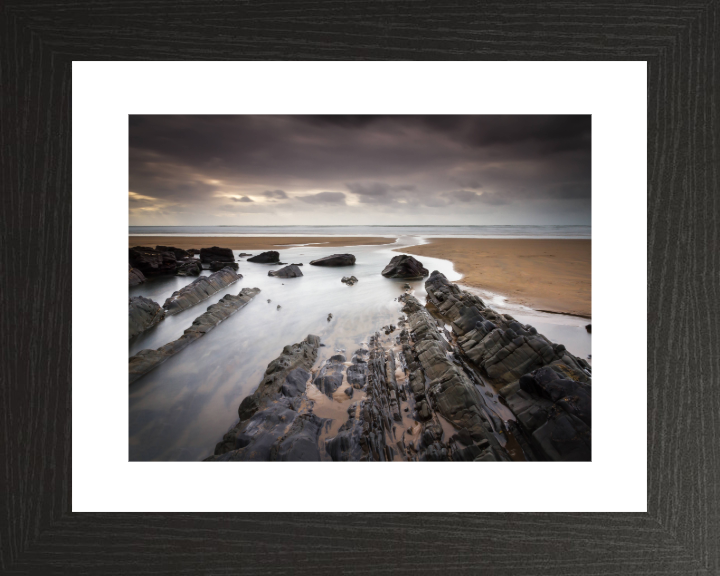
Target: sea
510,231
181,409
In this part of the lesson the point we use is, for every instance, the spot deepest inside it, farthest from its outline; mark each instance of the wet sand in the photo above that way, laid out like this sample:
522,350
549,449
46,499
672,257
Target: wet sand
547,275
255,242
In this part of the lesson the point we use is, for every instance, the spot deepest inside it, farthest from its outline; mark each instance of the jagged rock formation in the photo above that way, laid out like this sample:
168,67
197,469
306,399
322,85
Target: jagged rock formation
549,391
136,277
216,254
199,290
335,260
420,395
270,257
350,281
151,262
190,267
271,425
291,271
405,267
144,314
146,360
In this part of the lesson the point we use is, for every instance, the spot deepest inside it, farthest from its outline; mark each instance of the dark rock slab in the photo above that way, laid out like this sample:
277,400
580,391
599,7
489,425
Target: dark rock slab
270,257
151,262
180,254
335,260
145,360
216,254
291,271
406,267
144,314
199,290
136,277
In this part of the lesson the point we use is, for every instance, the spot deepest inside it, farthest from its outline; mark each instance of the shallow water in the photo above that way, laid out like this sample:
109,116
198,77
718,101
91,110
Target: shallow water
180,410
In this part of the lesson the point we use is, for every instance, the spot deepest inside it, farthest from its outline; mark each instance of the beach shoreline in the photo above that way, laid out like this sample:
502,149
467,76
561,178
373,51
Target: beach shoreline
547,275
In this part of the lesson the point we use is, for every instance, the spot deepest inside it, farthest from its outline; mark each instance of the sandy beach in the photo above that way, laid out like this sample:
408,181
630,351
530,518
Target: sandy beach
256,242
548,275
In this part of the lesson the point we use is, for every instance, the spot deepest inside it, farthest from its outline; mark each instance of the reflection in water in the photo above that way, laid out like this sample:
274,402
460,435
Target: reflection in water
180,410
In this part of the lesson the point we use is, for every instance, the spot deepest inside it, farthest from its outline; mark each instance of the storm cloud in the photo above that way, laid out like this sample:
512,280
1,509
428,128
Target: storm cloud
195,170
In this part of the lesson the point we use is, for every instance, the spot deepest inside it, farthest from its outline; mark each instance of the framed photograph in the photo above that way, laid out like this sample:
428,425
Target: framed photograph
361,293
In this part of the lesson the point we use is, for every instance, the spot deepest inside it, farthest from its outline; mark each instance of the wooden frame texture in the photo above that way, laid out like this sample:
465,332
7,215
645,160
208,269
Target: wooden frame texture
680,533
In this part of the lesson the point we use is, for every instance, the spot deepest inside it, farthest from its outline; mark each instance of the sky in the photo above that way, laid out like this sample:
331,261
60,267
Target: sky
365,170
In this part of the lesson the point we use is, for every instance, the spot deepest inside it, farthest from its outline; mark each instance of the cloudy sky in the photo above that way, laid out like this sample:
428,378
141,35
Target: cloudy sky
320,170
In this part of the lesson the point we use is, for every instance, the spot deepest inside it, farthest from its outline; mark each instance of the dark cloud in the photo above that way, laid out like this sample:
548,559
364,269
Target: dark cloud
324,198
275,194
462,168
369,192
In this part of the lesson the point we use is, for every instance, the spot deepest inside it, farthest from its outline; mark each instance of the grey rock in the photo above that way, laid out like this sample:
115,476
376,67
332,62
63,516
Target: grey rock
404,266
145,360
144,314
349,280
136,277
335,260
199,290
291,271
190,267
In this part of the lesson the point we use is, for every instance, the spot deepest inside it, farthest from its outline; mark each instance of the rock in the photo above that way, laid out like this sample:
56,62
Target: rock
151,262
193,251
330,376
404,266
389,328
350,281
407,286
349,391
244,255
335,260
278,307
144,314
146,360
216,254
299,264
269,300
270,257
136,277
216,265
180,254
291,271
589,328
329,317
295,383
549,389
270,426
199,290
191,267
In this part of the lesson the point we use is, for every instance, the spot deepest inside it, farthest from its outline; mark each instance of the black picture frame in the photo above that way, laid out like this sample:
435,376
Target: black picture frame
680,533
